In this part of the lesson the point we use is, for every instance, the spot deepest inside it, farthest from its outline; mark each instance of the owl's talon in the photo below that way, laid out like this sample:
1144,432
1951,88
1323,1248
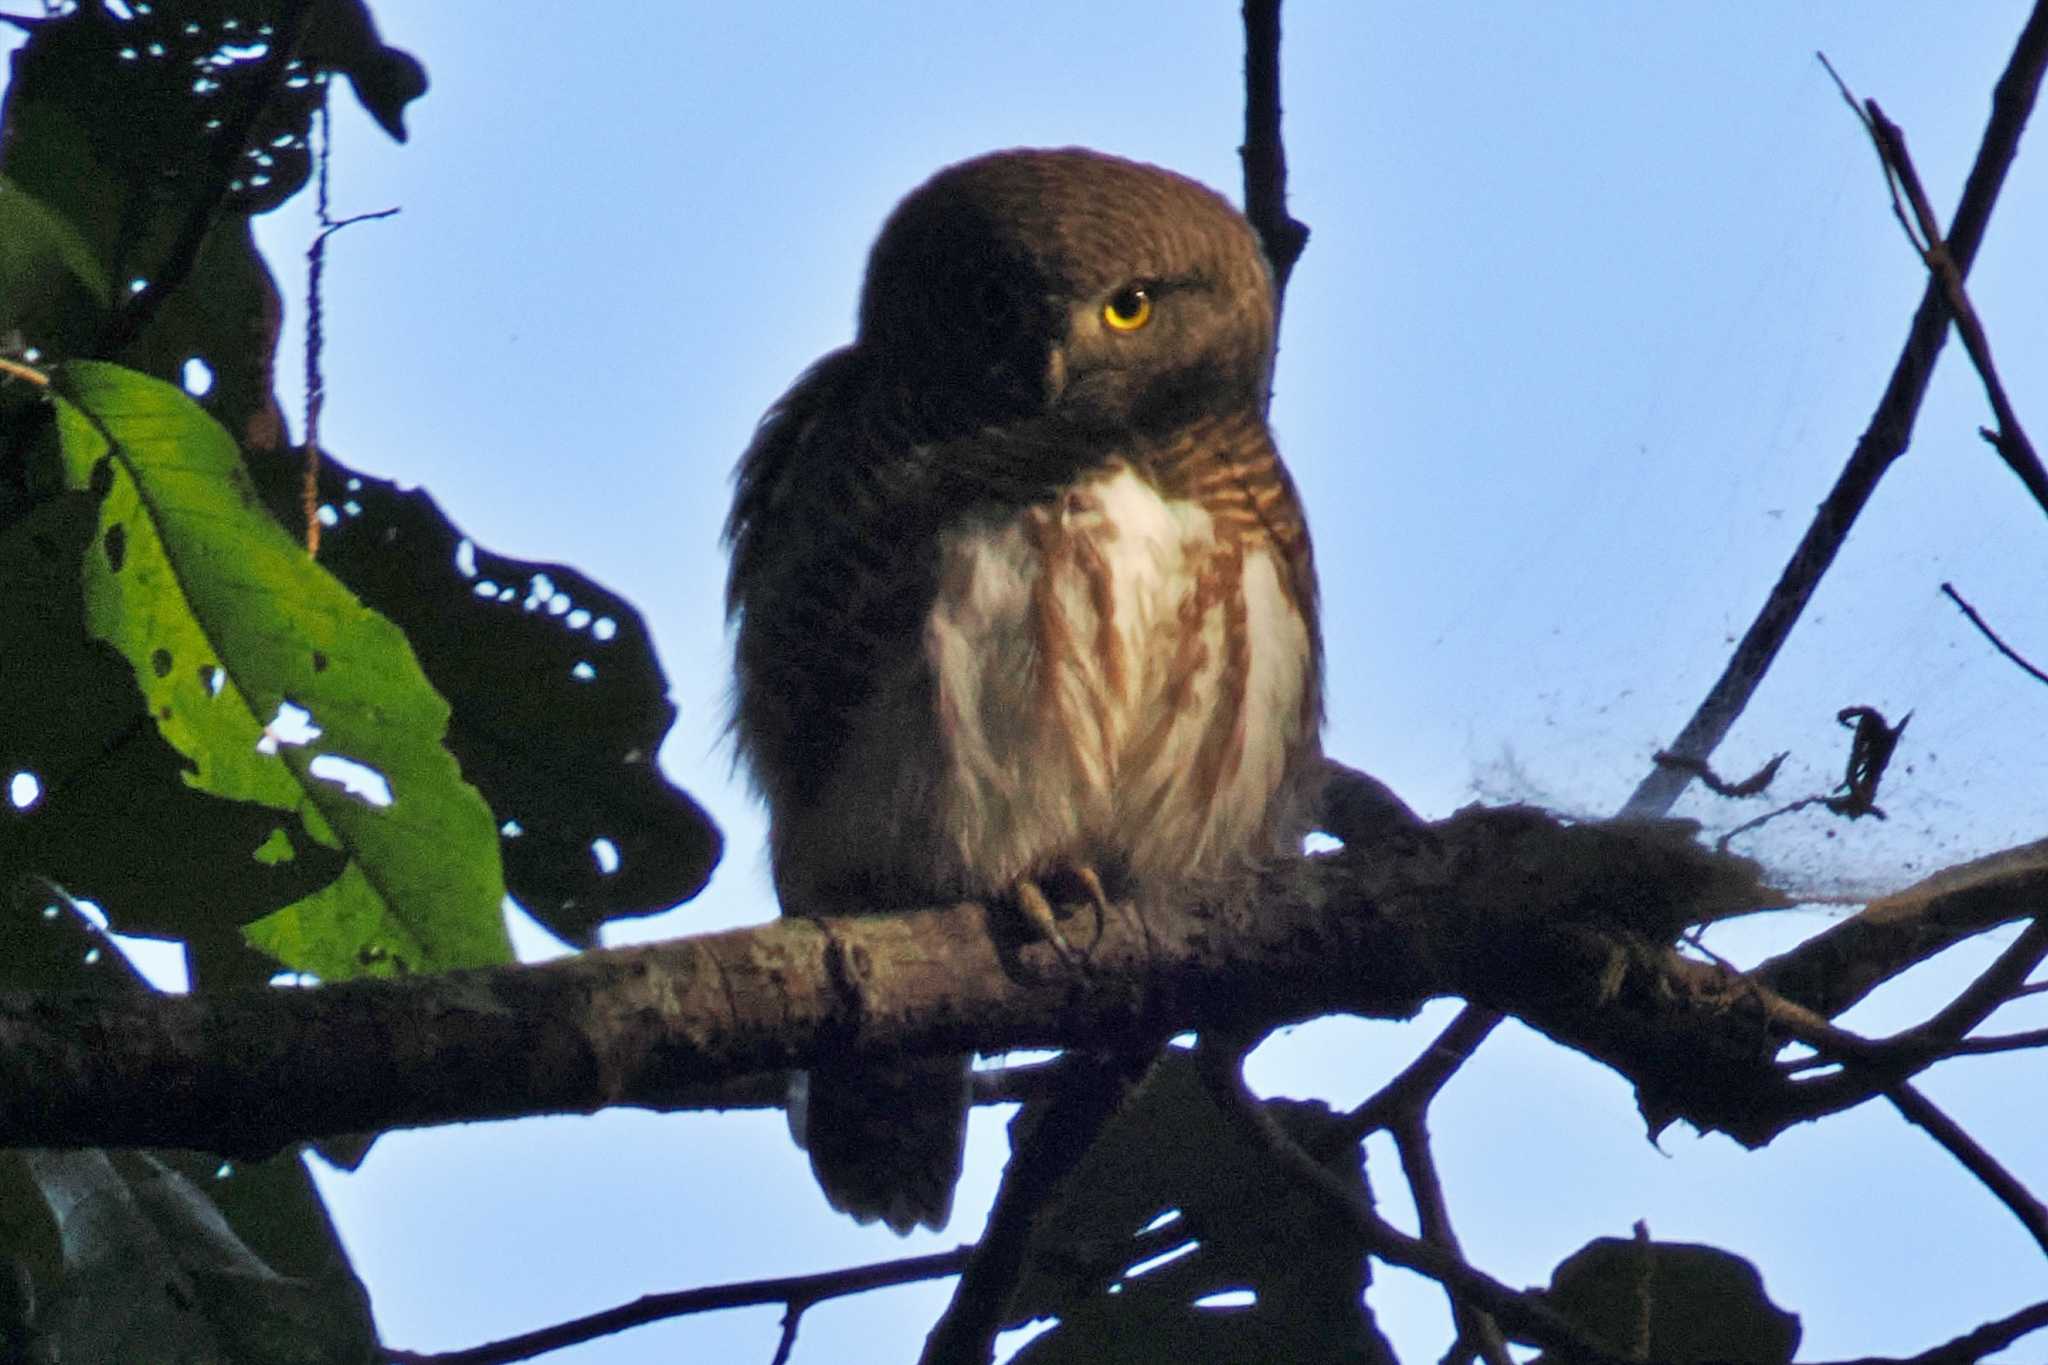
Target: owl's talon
1091,882
1038,914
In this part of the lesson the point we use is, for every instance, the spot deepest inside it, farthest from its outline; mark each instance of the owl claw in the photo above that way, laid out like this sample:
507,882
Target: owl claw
1038,914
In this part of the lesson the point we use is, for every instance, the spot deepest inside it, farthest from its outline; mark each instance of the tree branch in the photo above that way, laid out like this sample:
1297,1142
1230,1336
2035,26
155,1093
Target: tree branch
1263,154
1882,442
1569,928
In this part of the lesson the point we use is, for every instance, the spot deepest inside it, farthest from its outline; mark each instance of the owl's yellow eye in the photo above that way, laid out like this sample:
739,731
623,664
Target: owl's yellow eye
1128,309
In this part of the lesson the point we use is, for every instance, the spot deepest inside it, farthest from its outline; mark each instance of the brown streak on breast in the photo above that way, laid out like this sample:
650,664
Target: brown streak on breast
1222,748
1190,656
1051,639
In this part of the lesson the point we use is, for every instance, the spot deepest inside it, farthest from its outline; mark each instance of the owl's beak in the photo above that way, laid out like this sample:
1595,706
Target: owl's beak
1055,375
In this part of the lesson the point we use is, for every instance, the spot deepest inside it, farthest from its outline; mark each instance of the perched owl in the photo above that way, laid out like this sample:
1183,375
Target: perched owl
1023,593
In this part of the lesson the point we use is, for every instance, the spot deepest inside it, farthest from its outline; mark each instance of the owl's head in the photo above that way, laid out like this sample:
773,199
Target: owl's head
1074,285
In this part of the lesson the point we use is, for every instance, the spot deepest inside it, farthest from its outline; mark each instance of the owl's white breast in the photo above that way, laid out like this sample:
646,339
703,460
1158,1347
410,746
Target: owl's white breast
1112,678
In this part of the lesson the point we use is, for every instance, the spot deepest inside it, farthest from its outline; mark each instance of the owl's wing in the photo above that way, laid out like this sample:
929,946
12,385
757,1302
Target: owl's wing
834,534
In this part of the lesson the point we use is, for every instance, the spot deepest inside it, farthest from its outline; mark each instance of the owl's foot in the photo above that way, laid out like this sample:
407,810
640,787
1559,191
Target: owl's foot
1043,916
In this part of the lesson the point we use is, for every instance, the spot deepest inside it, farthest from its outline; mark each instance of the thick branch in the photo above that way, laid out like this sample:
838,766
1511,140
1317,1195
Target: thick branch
1569,928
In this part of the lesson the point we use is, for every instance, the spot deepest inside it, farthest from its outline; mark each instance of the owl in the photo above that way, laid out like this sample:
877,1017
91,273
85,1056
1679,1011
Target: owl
1022,595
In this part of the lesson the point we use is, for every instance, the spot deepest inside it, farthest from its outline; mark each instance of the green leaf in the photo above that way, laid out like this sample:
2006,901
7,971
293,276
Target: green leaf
226,622
1676,1302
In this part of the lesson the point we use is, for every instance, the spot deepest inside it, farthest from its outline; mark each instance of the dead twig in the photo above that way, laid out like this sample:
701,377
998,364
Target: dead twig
794,1292
1923,230
1884,441
1522,1316
1996,643
1923,1112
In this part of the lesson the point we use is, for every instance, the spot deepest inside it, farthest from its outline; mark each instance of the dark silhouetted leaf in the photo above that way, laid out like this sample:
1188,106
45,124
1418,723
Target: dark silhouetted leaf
1672,1302
1239,1226
560,704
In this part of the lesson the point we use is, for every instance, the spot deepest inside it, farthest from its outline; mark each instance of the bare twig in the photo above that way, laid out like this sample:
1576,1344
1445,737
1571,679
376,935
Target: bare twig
1418,1084
1996,643
2003,1042
795,1292
316,267
1890,430
15,369
1971,1348
1523,1316
1264,155
1923,1112
1923,230
1476,1330
1756,784
1051,1141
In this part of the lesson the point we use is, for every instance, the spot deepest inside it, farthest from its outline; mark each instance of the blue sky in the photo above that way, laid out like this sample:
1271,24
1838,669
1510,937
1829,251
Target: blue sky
1598,299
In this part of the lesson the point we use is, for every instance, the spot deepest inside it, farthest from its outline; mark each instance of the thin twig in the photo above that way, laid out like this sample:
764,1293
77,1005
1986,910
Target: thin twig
2001,646
1923,1112
1924,232
2002,1042
18,370
1418,1083
1891,428
792,1317
1052,1141
1263,153
316,267
796,1292
1971,1348
1522,1316
1418,1166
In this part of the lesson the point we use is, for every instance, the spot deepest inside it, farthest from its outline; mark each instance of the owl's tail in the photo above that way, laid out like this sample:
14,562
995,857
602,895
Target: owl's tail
886,1141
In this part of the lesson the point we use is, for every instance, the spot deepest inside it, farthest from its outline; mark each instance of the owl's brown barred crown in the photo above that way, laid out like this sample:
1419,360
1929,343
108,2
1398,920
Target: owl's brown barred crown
1005,274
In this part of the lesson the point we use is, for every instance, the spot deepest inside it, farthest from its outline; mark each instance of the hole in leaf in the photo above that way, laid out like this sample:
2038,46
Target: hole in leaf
1228,1298
212,679
357,779
24,789
291,725
605,628
606,854
116,543
582,672
511,829
578,619
1150,1264
1319,842
465,559
1161,1221
160,662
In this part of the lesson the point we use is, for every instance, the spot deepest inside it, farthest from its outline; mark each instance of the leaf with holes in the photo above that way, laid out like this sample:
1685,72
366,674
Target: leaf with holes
1176,1240
278,686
